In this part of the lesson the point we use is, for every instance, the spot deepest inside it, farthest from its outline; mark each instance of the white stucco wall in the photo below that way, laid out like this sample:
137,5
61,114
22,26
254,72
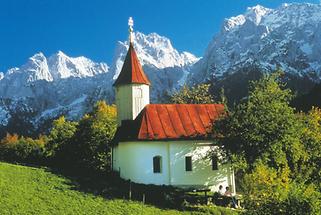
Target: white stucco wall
130,100
202,173
134,160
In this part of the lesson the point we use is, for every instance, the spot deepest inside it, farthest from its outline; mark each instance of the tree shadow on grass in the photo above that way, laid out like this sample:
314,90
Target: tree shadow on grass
104,185
110,186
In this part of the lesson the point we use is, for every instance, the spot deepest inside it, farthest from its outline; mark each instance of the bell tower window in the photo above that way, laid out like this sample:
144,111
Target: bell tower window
138,97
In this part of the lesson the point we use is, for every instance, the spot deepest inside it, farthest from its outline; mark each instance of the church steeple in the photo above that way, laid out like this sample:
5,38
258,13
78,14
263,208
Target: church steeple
132,84
132,72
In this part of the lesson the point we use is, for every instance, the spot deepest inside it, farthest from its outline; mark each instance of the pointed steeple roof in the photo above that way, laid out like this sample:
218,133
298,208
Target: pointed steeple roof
132,72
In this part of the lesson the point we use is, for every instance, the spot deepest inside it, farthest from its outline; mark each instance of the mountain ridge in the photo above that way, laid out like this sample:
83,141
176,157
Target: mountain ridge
46,87
285,38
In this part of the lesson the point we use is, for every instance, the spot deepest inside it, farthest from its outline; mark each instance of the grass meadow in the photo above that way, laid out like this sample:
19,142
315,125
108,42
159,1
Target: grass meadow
30,190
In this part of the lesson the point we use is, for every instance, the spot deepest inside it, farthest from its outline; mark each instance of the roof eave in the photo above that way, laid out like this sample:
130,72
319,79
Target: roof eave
122,84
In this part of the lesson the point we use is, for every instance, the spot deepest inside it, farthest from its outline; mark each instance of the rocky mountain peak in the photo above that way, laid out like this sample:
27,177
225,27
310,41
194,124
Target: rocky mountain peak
286,37
62,66
256,13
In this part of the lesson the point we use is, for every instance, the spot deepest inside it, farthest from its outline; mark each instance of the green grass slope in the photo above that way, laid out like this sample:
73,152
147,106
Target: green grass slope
27,190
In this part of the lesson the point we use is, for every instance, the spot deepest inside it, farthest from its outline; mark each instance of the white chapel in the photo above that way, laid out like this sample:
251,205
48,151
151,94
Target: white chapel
164,144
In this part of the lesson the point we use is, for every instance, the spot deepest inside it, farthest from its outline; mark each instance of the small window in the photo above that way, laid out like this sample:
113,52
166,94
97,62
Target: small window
157,164
214,162
188,163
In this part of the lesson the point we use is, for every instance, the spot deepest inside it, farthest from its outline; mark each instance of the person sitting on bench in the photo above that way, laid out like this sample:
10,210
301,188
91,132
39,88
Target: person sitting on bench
228,194
220,190
219,197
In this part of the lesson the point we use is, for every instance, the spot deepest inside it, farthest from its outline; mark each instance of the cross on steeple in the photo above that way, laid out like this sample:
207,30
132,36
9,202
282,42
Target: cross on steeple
131,29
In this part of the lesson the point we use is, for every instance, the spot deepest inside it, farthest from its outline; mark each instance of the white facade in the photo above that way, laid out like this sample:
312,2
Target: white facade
130,100
134,161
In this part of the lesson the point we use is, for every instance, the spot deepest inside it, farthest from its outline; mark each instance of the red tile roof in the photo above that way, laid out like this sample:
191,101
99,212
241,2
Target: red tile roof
171,122
132,72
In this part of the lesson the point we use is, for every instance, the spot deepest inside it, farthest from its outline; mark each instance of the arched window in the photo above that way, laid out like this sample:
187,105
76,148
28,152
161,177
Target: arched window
157,164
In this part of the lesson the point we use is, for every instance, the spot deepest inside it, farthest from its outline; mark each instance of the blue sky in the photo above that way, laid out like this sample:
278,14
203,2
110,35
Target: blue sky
92,27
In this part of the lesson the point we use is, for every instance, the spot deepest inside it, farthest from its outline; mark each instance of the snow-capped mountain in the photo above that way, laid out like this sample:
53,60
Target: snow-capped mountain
47,87
32,78
287,38
62,66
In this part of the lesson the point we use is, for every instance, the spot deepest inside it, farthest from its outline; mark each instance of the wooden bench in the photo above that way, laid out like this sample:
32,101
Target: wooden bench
206,197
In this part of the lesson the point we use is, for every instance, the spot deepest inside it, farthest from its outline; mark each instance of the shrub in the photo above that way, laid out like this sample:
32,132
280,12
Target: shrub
302,200
269,191
265,183
214,210
22,150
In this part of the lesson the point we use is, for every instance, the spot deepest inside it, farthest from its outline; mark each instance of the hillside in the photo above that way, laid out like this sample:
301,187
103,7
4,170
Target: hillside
28,190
